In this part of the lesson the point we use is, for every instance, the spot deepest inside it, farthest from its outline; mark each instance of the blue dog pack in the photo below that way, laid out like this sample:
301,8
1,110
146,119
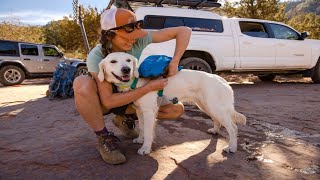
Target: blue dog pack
154,66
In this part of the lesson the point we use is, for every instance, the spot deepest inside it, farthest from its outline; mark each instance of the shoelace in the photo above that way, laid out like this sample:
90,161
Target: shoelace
111,141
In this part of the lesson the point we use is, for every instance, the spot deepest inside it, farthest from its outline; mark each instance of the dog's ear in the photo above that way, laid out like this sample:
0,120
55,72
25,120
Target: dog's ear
101,72
136,68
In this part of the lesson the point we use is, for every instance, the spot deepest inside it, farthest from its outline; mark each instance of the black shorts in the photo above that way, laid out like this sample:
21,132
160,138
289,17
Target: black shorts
118,110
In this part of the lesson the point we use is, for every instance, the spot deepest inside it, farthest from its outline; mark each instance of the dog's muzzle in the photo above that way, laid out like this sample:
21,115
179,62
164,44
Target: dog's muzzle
125,74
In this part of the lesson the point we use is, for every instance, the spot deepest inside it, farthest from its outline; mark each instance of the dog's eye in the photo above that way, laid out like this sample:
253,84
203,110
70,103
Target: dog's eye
113,61
128,60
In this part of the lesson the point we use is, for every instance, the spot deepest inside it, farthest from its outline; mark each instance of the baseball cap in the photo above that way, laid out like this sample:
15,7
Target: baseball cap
116,17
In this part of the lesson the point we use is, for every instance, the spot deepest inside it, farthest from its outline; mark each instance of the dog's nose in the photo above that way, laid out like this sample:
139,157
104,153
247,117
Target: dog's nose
125,70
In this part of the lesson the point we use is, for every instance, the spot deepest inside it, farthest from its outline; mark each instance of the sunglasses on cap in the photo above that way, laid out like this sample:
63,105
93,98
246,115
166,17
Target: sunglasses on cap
130,27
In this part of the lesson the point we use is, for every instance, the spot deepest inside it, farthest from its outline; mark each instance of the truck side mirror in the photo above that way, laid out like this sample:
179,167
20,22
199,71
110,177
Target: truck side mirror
304,35
61,55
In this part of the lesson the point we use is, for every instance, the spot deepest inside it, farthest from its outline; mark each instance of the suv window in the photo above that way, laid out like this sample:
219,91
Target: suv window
9,49
28,49
196,24
50,51
253,29
283,32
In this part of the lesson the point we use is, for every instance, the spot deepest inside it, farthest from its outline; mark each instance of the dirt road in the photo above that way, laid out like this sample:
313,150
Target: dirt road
43,139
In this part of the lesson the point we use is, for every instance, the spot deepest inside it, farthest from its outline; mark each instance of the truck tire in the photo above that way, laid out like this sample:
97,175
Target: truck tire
269,77
195,63
82,70
316,73
11,75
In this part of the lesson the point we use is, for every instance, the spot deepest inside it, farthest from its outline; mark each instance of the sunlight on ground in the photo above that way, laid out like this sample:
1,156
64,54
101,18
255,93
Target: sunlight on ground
21,94
171,153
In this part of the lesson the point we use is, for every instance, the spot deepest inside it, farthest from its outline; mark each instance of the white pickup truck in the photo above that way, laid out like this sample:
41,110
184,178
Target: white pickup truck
219,44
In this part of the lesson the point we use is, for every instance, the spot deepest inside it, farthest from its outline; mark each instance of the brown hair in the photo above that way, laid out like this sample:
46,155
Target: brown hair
105,40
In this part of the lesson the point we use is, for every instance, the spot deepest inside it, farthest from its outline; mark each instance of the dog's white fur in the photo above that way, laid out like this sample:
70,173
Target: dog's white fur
211,93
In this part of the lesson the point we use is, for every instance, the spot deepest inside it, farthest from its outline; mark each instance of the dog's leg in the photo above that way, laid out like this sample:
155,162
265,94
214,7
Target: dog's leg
216,127
232,129
140,139
150,119
216,124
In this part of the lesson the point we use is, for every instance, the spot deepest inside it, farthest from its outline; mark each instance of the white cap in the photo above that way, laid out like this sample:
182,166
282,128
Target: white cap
108,19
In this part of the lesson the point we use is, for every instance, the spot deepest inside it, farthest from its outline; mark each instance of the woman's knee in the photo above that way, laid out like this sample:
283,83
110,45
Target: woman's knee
178,110
84,85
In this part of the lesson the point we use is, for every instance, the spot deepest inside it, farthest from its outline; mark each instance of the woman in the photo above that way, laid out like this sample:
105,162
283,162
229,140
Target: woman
121,32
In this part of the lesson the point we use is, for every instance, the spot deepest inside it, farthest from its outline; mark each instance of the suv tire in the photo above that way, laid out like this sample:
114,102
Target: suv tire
269,77
82,70
316,73
11,75
195,63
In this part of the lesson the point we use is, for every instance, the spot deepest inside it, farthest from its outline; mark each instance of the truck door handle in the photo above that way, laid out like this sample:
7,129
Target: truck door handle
27,59
46,60
246,42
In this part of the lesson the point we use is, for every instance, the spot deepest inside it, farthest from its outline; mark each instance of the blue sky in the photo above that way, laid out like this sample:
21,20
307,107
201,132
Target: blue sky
40,12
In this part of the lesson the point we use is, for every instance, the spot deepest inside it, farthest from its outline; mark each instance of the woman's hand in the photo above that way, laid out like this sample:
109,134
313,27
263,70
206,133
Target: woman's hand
157,84
173,68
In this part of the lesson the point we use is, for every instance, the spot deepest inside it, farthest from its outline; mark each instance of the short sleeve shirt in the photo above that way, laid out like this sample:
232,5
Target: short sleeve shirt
96,55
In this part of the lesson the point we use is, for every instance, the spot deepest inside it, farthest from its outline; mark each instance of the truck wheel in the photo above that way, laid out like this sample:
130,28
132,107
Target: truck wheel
269,77
316,73
11,75
82,70
195,63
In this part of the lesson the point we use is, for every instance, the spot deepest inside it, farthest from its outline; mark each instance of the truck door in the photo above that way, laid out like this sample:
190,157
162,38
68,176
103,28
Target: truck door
30,58
290,50
50,57
256,47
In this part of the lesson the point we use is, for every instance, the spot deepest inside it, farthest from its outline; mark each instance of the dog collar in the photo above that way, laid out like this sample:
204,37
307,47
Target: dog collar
124,86
134,83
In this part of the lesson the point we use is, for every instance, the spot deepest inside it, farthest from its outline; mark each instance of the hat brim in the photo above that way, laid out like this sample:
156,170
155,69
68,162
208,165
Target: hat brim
136,34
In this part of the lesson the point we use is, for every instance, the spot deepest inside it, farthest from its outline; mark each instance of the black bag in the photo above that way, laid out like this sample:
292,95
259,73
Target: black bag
62,81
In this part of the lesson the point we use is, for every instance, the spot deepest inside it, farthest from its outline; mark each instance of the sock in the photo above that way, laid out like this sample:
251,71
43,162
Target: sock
103,131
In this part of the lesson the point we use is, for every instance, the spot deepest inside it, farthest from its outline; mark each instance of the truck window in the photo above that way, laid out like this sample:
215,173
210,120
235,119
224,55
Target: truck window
283,32
28,49
253,29
209,25
173,22
196,24
50,51
9,49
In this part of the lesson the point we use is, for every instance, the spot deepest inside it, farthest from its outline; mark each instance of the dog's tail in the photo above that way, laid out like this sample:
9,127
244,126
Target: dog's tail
239,118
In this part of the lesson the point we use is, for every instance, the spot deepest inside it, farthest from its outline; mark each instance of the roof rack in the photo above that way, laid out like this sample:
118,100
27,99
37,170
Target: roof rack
191,4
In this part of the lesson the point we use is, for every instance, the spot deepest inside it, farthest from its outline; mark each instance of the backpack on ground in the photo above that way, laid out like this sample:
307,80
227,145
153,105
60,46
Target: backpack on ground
62,81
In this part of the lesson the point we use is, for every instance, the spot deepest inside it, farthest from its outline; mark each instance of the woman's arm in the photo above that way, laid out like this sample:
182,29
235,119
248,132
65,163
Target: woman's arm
111,100
182,35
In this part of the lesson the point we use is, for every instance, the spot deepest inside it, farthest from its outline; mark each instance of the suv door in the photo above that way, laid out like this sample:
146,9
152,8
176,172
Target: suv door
30,58
257,49
290,50
50,57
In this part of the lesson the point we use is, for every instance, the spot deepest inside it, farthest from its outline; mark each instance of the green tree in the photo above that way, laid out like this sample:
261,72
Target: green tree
66,33
256,9
307,22
15,30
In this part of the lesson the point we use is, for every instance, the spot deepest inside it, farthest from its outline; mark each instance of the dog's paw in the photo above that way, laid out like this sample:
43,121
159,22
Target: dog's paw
230,149
213,131
138,140
144,150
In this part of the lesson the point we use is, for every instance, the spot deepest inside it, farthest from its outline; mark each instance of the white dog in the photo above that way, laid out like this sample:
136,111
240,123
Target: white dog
211,93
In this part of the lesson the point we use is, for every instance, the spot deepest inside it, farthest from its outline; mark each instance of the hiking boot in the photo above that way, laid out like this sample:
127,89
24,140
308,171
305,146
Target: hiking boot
126,124
109,150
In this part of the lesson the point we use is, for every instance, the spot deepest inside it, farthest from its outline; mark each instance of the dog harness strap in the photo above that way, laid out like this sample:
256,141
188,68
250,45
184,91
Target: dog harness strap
134,84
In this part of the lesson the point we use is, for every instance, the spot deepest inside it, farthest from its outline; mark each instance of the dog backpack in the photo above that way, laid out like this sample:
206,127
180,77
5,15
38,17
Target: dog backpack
62,81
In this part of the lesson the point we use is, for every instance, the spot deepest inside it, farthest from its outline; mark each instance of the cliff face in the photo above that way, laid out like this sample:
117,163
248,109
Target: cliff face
303,6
